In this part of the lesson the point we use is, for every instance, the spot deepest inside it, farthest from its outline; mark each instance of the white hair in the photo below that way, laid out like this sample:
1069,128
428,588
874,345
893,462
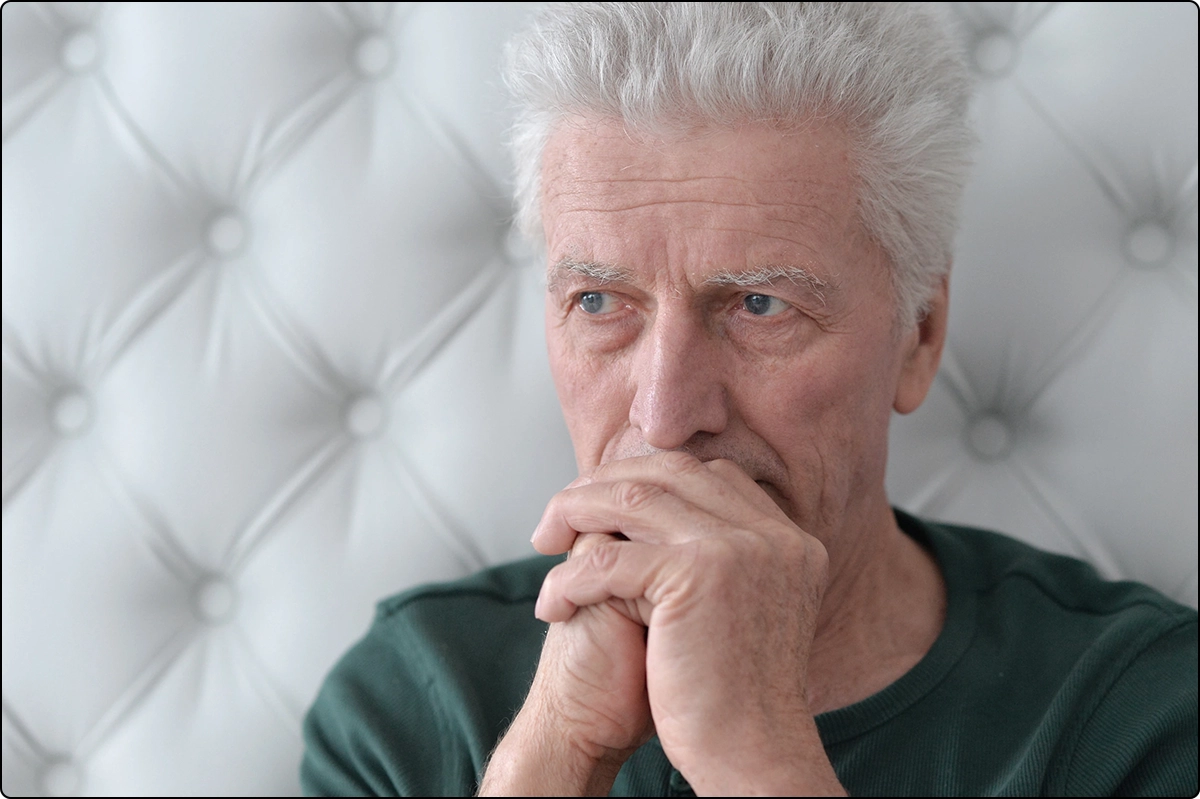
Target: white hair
892,73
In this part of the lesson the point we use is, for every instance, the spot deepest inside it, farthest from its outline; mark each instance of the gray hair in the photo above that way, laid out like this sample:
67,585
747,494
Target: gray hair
892,73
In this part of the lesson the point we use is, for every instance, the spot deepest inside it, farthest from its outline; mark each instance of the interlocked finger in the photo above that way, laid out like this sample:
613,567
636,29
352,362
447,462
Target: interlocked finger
626,570
639,510
714,485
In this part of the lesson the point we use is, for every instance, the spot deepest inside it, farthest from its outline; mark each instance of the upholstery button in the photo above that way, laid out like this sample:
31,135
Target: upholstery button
71,412
365,415
372,55
61,778
1149,243
989,437
80,50
226,234
214,600
995,53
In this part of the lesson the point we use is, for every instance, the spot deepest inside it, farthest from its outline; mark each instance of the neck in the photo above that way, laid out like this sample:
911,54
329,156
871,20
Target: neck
882,611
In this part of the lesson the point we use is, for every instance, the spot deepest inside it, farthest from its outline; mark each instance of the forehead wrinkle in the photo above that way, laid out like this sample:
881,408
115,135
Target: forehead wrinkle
790,212
659,202
651,178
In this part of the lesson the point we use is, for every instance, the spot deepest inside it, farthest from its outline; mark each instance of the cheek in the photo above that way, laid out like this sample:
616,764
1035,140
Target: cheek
830,406
808,391
593,390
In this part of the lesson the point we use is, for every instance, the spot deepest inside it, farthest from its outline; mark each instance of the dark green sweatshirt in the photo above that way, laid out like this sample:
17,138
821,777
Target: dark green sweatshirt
1045,679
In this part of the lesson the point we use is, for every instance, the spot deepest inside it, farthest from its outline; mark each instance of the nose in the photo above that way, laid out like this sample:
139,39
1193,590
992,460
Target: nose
680,390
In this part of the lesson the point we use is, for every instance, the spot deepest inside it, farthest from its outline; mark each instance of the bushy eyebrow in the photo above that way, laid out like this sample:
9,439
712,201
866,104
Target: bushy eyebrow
769,275
602,273
763,276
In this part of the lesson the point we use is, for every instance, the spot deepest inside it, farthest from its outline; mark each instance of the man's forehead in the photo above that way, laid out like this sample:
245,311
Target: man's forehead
767,183
754,154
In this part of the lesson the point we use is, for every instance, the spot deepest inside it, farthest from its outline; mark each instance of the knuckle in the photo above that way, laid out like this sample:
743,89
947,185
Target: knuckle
551,580
818,558
723,467
553,508
585,542
604,556
634,496
806,553
681,463
724,550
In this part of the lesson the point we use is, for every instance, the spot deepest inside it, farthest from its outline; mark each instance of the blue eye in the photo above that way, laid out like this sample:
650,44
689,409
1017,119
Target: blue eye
597,302
763,304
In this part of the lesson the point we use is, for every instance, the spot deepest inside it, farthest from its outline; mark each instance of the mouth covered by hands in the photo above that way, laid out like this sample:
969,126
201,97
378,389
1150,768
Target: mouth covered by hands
728,589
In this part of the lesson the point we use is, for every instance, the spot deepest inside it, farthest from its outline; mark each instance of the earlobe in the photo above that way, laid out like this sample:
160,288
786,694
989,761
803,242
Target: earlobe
923,352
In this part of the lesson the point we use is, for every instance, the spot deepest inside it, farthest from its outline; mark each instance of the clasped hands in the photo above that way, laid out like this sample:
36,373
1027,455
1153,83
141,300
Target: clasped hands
687,607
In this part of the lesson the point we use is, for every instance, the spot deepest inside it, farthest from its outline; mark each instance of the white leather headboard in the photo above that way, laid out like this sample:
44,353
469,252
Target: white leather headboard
271,353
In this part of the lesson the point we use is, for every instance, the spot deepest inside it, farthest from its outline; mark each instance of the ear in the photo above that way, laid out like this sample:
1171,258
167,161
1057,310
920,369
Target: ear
922,352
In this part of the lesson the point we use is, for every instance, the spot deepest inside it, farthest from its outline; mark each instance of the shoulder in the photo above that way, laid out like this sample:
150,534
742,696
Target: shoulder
1012,575
415,706
423,629
494,588
1105,669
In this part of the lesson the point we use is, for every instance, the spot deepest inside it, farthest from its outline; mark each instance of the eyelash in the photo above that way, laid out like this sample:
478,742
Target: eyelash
577,302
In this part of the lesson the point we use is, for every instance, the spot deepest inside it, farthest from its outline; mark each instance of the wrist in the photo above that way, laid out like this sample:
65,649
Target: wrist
793,763
773,779
532,759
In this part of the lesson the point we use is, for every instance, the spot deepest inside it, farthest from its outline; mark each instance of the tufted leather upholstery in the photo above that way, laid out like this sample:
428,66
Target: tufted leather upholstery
271,352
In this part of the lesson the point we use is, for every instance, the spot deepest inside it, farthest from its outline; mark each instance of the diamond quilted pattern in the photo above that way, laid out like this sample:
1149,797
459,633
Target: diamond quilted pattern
271,352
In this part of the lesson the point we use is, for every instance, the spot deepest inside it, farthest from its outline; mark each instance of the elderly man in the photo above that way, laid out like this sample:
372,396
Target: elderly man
747,212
